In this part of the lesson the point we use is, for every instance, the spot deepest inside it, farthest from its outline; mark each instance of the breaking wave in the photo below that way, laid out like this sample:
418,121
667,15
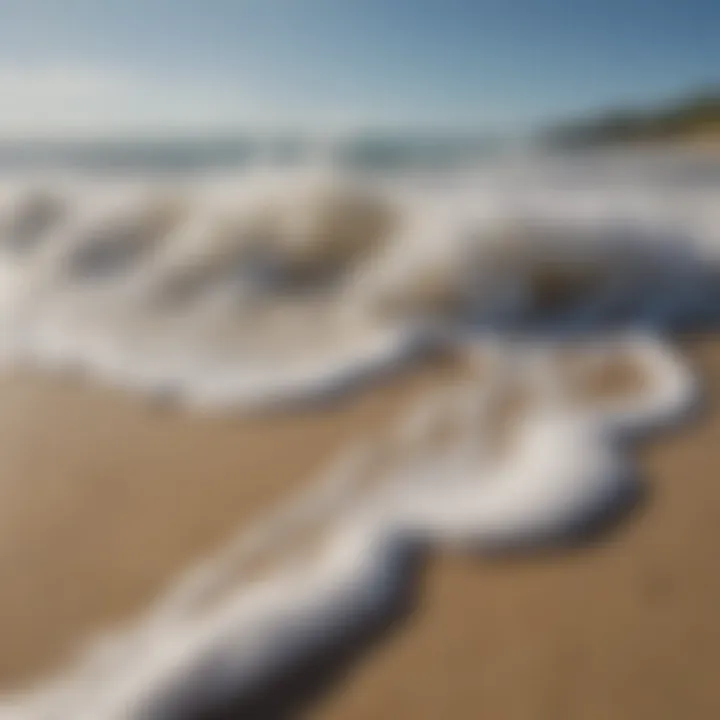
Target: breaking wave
280,286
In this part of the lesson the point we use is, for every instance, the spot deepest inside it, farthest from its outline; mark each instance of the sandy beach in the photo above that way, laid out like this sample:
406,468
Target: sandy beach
359,360
624,629
106,498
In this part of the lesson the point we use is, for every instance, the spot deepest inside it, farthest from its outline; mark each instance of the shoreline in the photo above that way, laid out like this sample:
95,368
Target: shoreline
114,509
125,495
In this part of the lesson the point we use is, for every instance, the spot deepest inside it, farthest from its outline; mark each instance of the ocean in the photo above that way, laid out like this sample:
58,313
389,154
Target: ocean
237,275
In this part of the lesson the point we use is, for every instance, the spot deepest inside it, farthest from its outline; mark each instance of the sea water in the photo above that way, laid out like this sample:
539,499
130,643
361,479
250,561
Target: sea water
220,276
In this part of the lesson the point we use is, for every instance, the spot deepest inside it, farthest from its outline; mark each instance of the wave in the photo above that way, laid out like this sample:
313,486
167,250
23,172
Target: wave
265,288
276,287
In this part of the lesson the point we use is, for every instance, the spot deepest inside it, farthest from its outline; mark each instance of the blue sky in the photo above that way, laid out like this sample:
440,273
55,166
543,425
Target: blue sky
176,65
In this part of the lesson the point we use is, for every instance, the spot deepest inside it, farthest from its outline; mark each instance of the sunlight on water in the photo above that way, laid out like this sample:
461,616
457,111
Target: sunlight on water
271,286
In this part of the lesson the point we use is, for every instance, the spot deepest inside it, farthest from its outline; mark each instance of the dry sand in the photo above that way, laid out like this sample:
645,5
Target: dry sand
104,499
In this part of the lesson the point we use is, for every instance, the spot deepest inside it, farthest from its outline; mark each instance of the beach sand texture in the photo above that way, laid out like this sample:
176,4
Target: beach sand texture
105,498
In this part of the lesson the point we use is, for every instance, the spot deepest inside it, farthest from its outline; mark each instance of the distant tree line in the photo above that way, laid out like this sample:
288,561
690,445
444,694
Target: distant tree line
697,115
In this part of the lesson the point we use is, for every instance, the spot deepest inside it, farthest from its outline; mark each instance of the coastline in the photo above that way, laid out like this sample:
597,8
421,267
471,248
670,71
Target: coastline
124,495
107,498
623,628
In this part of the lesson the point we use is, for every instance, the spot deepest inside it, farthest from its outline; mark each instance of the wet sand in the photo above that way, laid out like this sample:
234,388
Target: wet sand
625,629
105,498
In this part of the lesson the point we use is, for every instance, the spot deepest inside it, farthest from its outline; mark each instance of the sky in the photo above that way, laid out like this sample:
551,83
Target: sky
179,66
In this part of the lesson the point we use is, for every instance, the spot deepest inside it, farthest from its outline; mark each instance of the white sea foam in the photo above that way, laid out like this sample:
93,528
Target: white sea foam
265,287
273,288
